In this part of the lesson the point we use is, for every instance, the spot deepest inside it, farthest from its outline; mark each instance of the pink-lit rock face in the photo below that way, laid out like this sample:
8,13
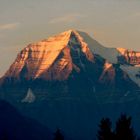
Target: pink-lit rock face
108,74
51,59
130,56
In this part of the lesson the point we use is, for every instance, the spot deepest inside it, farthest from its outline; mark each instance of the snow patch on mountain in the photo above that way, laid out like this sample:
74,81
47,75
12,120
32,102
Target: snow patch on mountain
30,97
133,72
111,54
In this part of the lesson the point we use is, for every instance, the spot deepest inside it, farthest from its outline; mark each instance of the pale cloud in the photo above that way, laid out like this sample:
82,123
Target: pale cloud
71,18
9,26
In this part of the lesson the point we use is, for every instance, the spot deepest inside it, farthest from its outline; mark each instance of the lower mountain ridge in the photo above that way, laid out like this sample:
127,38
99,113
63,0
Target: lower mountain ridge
70,81
13,125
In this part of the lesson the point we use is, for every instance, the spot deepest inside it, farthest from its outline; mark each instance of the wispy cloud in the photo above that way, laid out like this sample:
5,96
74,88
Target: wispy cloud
9,26
66,18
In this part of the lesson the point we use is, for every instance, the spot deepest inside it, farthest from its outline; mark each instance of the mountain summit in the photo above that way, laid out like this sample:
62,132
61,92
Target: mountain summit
51,59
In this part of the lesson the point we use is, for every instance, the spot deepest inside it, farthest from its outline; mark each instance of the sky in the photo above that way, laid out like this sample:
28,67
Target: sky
114,23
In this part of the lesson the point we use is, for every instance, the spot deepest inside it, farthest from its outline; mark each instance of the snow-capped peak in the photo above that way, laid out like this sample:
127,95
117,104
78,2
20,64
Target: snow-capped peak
37,59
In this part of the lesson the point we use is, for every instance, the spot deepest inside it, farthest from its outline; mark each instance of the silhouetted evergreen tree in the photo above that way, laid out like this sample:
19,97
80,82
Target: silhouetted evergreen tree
58,135
124,130
105,130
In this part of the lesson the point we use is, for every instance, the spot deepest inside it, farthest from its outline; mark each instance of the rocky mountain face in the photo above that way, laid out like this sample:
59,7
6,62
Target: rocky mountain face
51,59
67,57
129,57
71,81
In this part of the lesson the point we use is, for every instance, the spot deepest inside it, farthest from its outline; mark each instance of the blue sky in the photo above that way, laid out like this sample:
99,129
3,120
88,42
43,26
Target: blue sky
114,23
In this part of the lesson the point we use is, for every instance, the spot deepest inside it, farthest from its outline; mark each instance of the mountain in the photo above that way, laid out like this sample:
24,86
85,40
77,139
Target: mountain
71,81
69,56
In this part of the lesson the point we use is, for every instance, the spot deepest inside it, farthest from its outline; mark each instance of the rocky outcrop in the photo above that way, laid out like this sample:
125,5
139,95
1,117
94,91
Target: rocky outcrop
129,57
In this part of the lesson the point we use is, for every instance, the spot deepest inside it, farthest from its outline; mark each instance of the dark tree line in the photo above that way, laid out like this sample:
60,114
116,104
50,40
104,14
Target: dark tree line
123,129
